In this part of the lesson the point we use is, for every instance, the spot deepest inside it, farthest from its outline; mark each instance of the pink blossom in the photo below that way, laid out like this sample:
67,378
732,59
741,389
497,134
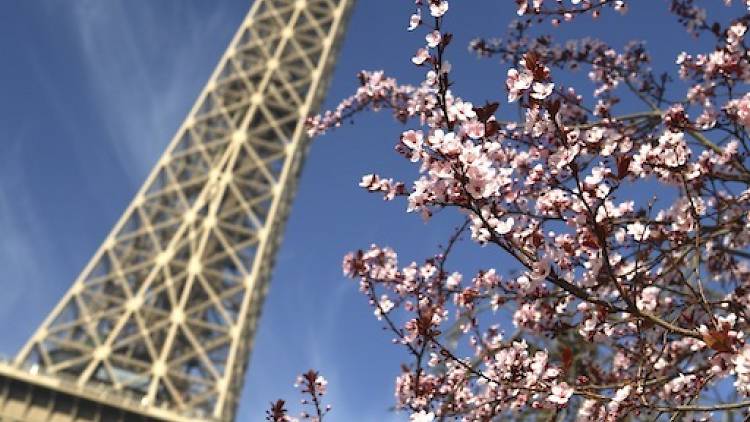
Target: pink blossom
415,20
561,393
638,231
742,371
385,304
542,90
523,5
741,109
474,129
649,299
504,227
422,56
517,83
422,416
438,8
735,34
461,111
620,396
433,39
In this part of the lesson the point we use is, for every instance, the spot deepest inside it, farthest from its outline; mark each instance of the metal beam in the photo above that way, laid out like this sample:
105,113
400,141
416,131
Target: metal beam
167,308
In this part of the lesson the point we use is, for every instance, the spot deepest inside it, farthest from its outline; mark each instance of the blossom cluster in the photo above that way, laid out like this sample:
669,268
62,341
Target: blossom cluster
313,386
630,231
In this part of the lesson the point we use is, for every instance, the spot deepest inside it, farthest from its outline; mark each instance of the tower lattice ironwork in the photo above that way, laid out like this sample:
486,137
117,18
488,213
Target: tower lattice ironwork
159,324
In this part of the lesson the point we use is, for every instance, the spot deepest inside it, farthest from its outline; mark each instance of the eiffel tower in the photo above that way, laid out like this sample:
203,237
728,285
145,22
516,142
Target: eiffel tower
159,325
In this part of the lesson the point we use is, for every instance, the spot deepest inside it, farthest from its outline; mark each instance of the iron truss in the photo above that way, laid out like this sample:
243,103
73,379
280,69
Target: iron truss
160,322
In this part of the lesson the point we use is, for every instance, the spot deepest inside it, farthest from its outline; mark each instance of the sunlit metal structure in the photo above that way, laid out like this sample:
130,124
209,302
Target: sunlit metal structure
159,324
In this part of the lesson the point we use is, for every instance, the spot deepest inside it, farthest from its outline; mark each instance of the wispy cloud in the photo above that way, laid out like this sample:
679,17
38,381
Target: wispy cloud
143,69
22,252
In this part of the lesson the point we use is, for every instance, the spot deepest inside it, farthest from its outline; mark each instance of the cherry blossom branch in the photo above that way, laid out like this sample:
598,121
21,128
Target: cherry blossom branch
635,303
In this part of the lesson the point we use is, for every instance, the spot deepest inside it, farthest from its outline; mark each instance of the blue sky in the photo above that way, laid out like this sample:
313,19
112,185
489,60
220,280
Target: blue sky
91,91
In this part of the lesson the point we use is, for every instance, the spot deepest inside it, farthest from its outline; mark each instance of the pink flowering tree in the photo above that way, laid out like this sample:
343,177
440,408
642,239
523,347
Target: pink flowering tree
312,385
630,296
